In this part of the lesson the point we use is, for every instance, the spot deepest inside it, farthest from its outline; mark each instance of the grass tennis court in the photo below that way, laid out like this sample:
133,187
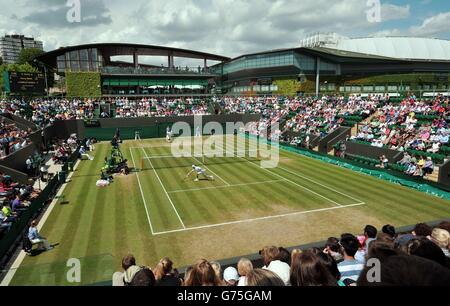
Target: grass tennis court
154,212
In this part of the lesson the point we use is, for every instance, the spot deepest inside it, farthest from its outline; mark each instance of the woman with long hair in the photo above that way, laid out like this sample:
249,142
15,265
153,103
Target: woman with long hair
308,270
202,274
165,274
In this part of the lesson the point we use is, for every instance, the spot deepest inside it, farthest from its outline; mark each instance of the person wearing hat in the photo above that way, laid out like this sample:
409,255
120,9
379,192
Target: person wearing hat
231,276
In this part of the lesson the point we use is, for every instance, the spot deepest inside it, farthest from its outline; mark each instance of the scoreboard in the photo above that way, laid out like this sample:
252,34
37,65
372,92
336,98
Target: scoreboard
25,83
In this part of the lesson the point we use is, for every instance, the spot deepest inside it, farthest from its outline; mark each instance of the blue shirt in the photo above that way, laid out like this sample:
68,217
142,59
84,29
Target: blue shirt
350,269
33,233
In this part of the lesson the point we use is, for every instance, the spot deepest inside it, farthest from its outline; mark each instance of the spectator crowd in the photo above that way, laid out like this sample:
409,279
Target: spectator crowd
418,258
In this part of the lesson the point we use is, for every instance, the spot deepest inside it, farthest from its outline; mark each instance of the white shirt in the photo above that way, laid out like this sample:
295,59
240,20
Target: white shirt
199,170
281,269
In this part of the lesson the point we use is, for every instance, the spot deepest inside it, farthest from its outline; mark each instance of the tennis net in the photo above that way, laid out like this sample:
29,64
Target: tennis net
171,161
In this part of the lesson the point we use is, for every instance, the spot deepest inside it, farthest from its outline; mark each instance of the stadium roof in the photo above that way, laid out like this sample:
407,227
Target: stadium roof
400,48
119,49
343,49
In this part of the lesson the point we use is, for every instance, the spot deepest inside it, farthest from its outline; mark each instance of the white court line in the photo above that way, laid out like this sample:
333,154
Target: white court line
320,184
228,186
164,188
292,182
258,219
142,193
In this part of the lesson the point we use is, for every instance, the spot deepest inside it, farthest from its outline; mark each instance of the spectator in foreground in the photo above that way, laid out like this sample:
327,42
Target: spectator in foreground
263,278
308,270
143,278
332,266
445,225
217,269
202,274
130,269
244,267
427,249
405,270
285,255
165,275
231,277
389,230
420,230
370,232
350,268
35,238
333,248
272,262
441,238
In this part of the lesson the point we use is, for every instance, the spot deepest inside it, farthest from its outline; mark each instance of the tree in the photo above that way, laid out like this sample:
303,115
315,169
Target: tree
29,55
1,61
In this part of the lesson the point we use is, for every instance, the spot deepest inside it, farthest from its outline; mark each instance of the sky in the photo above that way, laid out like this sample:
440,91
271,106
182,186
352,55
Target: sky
224,27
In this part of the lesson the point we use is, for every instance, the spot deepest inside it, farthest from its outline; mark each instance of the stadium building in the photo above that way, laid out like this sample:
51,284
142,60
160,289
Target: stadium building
329,63
134,78
323,63
12,45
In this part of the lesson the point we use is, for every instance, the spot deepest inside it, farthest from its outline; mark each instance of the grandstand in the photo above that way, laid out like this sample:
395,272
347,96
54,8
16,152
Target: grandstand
343,163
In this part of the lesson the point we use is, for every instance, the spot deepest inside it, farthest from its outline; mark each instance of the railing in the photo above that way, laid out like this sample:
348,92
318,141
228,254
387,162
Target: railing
158,70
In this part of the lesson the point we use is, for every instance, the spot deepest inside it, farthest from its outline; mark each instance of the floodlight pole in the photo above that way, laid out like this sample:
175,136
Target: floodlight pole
317,76
46,82
45,75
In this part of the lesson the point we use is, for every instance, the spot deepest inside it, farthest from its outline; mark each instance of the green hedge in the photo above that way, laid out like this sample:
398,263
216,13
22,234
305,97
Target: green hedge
445,150
287,87
83,84
351,118
426,117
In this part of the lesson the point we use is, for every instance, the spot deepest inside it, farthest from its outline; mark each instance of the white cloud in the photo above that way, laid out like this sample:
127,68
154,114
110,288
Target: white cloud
432,26
394,12
436,26
226,27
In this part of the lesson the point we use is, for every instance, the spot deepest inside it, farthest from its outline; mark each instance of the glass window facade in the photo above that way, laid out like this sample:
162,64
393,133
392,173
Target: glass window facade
79,60
277,59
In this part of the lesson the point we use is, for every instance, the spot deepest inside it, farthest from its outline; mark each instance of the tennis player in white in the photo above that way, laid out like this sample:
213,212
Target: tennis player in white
169,134
199,172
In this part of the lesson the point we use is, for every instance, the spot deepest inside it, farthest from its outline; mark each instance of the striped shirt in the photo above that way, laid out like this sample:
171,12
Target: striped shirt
350,269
